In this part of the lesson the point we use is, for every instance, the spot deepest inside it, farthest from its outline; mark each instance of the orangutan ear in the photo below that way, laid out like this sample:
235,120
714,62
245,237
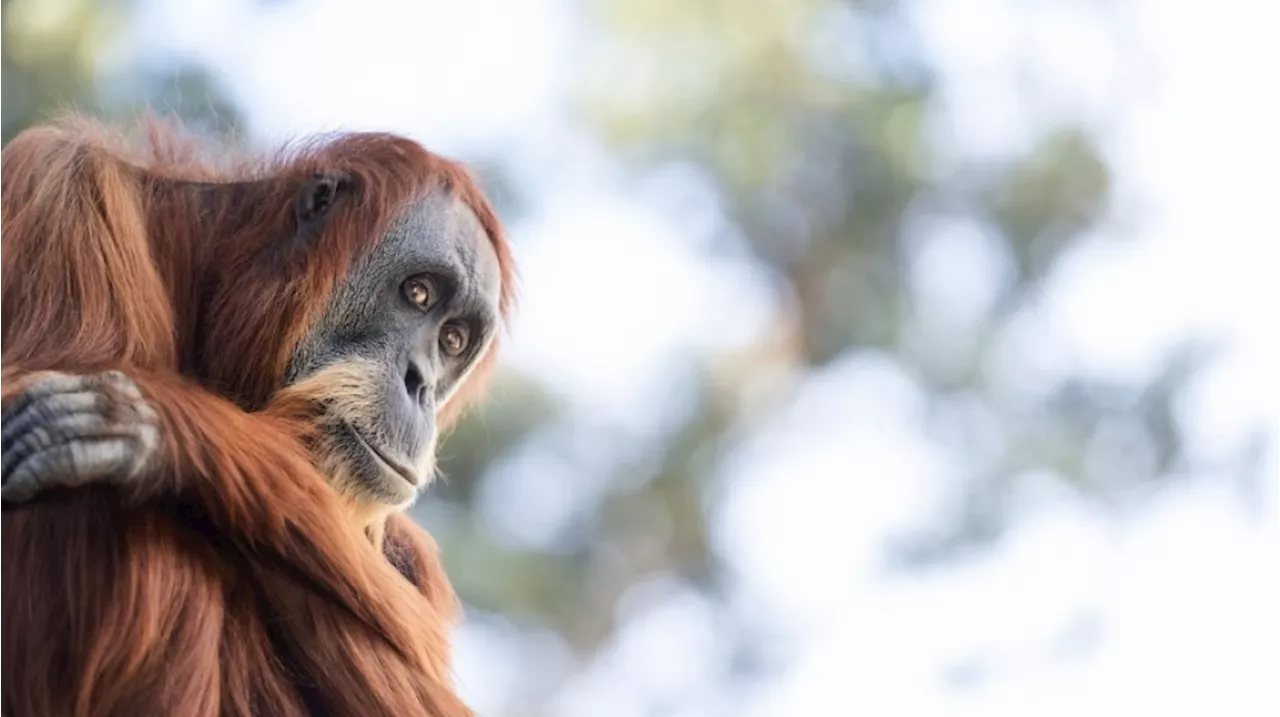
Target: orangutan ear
313,203
317,196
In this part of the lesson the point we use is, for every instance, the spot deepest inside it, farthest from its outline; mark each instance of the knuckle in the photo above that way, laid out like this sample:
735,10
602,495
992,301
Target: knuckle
145,412
102,402
121,383
55,382
42,436
148,437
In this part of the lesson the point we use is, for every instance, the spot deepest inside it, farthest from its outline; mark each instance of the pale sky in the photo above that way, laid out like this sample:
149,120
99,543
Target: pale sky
1183,599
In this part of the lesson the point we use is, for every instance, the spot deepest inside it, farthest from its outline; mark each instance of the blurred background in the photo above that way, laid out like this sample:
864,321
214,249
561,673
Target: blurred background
891,357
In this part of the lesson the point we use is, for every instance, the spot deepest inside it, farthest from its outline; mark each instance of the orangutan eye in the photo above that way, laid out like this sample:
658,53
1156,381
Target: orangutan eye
454,339
418,293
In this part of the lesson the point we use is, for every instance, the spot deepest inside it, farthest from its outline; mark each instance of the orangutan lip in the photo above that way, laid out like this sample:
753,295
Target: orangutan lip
395,466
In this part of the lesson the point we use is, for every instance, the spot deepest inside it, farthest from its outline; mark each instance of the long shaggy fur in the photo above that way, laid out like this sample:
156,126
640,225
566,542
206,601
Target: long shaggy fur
232,581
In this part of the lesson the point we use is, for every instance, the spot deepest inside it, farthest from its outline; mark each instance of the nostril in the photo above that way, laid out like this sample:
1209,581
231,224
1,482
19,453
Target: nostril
416,385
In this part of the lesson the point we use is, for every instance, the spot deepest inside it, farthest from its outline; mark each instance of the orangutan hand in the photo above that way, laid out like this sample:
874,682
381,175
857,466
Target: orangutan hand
67,430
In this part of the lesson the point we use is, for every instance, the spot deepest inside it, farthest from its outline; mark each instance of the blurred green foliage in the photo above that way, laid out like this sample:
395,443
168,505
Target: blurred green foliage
826,176
827,164
71,55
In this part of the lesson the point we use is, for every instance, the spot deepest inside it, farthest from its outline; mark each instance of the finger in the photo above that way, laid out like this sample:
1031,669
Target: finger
51,384
118,382
69,465
147,442
46,385
61,431
48,409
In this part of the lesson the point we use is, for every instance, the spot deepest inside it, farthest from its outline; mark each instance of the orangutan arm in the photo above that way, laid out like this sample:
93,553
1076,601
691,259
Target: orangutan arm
64,430
245,479
153,435
157,436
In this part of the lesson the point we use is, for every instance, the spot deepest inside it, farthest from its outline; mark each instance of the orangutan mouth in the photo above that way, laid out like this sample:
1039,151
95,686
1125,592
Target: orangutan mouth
391,465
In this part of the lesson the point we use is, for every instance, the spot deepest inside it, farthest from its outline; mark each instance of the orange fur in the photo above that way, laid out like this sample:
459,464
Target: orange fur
231,581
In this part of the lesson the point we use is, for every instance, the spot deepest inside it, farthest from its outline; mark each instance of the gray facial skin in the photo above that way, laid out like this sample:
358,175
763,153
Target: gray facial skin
391,355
